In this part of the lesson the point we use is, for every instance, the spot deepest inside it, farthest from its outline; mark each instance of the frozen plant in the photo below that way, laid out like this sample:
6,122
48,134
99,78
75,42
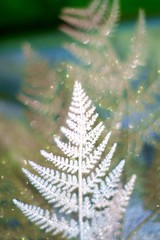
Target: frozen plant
88,201
41,87
91,29
133,90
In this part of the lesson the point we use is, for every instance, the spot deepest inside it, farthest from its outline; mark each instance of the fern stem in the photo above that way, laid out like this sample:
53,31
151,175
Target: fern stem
80,178
80,195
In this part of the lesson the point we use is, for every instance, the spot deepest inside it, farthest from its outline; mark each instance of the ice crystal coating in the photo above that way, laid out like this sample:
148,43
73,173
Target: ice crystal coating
80,185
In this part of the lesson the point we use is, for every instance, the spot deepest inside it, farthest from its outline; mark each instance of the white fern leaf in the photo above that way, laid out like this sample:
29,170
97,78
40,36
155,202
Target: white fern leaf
62,180
92,46
94,157
137,45
85,18
62,163
37,88
81,185
120,200
88,11
88,29
108,25
47,221
52,193
86,23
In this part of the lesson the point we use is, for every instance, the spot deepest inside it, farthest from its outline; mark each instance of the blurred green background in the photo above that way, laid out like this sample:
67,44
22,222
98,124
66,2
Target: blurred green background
27,15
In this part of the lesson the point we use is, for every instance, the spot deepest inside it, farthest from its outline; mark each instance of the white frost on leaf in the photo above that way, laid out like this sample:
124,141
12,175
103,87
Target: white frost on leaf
80,187
92,45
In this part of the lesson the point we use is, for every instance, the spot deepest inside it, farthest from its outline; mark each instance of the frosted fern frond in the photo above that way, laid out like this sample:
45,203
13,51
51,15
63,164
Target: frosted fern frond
85,12
61,162
55,177
143,114
137,46
81,189
111,231
47,221
38,81
86,21
100,65
90,28
93,47
40,89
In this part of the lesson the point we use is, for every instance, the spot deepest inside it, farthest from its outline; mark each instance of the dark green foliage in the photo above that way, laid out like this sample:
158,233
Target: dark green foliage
27,15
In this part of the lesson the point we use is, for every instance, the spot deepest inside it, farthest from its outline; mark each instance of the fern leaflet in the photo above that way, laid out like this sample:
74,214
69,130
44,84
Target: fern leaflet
79,186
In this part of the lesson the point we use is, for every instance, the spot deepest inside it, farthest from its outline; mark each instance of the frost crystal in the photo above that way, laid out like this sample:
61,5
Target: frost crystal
80,185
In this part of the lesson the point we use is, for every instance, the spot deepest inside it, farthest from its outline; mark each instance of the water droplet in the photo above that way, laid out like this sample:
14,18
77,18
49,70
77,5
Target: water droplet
107,33
67,75
86,41
69,66
131,126
140,89
100,105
